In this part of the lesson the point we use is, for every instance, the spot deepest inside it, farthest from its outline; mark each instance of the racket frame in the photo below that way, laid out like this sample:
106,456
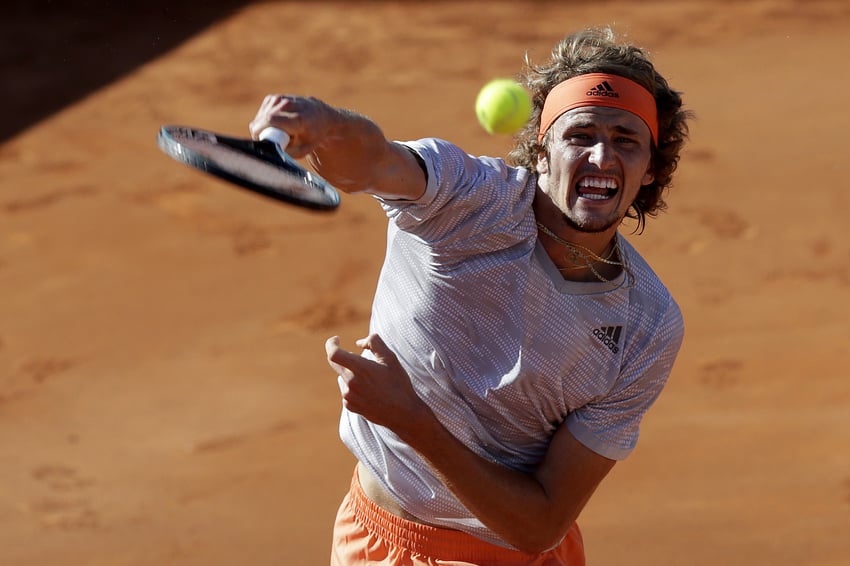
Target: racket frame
269,150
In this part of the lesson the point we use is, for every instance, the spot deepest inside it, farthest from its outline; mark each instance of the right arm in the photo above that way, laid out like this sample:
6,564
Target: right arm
346,148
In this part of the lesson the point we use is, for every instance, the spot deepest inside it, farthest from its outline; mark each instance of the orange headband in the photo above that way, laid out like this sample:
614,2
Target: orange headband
599,89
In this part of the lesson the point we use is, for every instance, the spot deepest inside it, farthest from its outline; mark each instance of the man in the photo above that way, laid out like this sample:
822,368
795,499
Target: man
516,338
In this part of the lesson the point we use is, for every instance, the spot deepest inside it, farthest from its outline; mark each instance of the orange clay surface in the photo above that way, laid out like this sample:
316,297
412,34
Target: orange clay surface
164,398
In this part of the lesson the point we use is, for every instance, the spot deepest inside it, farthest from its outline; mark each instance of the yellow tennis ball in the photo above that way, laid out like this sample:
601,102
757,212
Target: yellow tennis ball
503,106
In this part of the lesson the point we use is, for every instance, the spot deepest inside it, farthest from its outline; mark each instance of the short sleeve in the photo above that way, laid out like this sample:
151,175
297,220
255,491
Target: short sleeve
470,205
610,426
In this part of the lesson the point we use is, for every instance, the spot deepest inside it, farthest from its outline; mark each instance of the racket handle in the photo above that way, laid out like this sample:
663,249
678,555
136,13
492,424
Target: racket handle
275,135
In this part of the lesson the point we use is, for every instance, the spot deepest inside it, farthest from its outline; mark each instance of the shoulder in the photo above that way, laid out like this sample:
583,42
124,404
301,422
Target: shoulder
449,164
462,187
651,300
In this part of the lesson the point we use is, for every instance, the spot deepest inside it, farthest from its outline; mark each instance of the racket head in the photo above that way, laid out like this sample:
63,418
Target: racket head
262,167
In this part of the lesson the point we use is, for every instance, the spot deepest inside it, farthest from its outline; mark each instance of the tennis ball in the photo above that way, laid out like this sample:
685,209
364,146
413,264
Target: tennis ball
503,106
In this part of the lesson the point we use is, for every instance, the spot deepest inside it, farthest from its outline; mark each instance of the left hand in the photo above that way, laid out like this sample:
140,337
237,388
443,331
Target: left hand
378,390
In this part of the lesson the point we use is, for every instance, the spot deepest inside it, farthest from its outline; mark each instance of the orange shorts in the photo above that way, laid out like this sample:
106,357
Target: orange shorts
364,533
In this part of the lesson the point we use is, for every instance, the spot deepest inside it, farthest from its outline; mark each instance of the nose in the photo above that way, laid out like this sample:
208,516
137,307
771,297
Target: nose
601,154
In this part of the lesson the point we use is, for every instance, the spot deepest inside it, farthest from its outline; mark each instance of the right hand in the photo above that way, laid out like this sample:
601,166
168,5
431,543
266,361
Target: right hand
306,120
347,149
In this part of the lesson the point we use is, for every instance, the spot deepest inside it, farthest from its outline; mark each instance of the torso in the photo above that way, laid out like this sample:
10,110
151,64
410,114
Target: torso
380,497
503,349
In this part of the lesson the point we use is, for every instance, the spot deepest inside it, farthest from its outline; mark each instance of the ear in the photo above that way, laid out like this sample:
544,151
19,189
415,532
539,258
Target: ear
648,177
542,165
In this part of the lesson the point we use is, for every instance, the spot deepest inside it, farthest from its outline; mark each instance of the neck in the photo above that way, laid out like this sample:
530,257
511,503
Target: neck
579,256
579,263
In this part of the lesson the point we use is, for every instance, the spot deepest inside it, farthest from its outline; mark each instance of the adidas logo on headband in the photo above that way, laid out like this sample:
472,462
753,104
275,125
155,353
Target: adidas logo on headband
584,90
603,89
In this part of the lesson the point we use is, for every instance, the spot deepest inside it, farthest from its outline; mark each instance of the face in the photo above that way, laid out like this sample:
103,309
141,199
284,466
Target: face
596,161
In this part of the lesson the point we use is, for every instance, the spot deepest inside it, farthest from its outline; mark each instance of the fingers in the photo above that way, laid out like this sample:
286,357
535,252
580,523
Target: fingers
306,120
347,363
331,344
336,358
333,350
262,120
277,111
378,347
380,392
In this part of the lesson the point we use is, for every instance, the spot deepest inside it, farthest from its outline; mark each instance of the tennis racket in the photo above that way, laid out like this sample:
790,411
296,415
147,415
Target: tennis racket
262,166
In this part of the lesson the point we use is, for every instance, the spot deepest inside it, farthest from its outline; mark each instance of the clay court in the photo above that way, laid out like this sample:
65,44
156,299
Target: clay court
164,397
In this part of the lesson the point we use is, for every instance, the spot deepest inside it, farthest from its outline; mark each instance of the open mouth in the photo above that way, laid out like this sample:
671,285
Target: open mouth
597,188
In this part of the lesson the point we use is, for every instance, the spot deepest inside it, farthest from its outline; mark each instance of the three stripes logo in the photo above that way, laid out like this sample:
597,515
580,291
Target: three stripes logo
610,336
603,89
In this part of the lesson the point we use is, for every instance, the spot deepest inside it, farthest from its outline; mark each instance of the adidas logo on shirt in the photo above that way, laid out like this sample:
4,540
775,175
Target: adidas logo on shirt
603,89
610,336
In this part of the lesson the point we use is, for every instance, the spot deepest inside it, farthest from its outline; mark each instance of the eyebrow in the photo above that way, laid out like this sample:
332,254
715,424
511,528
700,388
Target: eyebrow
586,124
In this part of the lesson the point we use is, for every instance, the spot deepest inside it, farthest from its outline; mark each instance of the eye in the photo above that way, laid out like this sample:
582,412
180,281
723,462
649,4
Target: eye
577,137
628,142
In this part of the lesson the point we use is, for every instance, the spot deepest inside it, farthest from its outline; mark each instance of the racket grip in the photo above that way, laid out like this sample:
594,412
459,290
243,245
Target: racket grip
275,135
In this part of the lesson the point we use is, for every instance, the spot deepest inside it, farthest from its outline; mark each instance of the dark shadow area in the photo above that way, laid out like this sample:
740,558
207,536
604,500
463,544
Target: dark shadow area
53,53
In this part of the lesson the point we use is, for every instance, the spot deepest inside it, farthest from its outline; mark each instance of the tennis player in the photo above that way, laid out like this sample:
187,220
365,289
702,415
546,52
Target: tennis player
517,338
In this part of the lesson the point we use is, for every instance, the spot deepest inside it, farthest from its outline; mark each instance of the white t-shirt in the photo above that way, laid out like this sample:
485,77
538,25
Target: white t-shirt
496,342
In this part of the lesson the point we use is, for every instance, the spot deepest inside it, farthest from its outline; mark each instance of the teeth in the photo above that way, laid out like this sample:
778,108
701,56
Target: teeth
597,188
598,183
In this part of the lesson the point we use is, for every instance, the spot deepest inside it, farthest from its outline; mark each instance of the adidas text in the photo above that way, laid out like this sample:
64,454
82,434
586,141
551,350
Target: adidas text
602,93
610,336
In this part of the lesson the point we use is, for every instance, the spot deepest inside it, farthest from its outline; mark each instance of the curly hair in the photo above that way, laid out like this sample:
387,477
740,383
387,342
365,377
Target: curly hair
598,51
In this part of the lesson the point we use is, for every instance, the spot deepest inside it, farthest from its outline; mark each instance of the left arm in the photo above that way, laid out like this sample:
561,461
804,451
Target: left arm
531,511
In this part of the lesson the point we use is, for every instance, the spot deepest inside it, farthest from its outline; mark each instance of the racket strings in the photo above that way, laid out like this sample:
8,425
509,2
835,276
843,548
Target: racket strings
254,169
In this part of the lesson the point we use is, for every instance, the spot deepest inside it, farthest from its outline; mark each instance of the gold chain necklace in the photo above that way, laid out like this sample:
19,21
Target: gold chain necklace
579,254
